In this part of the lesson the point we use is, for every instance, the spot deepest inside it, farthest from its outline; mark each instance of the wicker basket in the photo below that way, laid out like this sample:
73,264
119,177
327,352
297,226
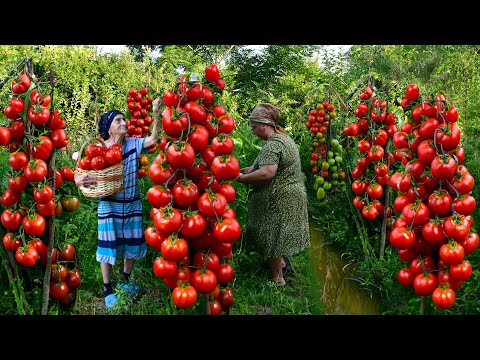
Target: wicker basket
109,180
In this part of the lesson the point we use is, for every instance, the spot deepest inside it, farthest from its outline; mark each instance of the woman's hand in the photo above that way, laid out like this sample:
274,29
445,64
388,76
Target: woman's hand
247,170
156,105
84,180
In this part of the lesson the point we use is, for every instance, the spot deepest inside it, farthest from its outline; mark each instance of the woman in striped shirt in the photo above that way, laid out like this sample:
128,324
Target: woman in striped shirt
120,217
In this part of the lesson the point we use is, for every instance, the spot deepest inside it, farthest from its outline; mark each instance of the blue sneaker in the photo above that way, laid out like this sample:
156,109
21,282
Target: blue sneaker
110,301
130,287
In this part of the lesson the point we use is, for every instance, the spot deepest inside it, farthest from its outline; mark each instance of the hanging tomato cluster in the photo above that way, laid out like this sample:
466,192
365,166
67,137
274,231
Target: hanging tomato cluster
32,133
372,128
433,227
194,226
325,152
139,104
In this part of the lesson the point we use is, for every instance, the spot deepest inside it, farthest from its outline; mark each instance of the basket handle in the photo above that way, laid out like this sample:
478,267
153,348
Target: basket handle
83,146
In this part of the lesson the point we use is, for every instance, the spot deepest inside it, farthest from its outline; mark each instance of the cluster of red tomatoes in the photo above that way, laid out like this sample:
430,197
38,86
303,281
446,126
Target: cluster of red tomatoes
194,226
433,229
99,157
372,128
139,104
33,131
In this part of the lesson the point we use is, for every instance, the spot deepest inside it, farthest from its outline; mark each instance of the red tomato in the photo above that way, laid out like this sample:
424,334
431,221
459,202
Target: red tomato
222,145
226,297
456,226
195,111
412,92
43,149
180,154
432,232
35,170
153,238
185,193
470,242
73,278
451,253
98,162
43,194
448,136
58,272
228,191
167,220
374,190
164,269
113,156
60,290
402,238
59,138
416,214
5,136
425,283
215,307
460,272
159,196
11,219
26,256
10,198
212,73
184,297
227,230
18,160
174,124
67,173
443,298
174,248
203,280
405,277
67,252
160,172
211,205
225,273
11,242
34,224
198,138
193,225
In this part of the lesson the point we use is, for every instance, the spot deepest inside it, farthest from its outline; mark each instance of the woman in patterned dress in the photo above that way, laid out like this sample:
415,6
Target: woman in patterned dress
120,216
277,208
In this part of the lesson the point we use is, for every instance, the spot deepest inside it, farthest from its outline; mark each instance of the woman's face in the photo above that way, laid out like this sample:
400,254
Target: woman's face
118,127
259,130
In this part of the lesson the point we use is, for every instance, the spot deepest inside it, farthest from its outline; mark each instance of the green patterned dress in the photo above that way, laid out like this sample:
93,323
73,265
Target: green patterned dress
277,209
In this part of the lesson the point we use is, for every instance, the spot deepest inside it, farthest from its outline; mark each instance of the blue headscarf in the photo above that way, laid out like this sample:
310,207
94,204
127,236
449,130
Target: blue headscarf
105,122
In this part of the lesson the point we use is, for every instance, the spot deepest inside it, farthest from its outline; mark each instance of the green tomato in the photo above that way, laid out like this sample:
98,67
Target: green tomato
327,185
335,175
315,186
319,180
325,165
333,168
334,142
321,193
338,159
331,161
330,154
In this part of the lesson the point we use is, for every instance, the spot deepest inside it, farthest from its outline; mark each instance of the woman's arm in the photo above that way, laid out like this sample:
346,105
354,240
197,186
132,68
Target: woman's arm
263,174
152,139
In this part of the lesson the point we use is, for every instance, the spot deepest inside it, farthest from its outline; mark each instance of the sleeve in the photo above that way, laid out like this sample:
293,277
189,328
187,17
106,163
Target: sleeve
139,146
270,153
